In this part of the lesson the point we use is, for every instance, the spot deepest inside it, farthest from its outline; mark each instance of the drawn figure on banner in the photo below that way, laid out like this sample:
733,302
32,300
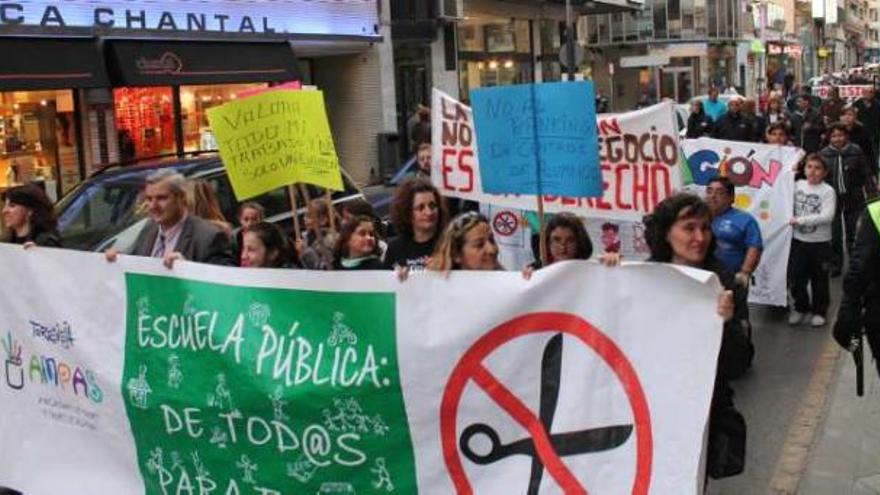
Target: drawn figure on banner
189,307
219,437
301,469
278,404
203,476
175,376
176,461
341,332
258,314
611,237
383,477
379,427
156,464
139,389
143,305
13,361
640,245
248,468
222,397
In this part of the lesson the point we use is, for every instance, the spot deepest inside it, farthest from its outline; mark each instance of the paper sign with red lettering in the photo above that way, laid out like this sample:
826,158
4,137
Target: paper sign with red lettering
848,92
638,151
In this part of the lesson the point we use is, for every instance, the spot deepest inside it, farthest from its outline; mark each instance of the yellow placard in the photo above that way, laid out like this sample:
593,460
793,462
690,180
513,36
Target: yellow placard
274,139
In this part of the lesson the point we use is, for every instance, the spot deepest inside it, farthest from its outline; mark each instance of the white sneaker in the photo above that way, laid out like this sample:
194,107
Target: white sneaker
817,321
795,318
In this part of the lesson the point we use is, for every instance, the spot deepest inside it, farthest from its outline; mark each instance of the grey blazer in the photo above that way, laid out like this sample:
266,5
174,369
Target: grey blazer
199,241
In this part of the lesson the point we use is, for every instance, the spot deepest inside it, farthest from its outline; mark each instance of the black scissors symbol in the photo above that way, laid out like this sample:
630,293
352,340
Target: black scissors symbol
565,444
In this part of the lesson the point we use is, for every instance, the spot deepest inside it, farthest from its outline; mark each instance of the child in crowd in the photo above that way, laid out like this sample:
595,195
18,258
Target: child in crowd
264,246
316,249
814,204
358,246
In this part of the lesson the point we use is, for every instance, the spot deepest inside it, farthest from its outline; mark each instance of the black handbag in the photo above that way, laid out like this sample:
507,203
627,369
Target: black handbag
727,443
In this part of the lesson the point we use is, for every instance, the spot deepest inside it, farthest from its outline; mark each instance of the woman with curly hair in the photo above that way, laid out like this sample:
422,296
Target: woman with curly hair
28,217
418,214
467,243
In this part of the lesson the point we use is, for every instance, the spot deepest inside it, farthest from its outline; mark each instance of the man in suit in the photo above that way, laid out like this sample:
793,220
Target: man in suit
172,233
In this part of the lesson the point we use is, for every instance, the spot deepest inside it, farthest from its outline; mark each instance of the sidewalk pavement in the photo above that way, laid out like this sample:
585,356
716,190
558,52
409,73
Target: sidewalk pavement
845,458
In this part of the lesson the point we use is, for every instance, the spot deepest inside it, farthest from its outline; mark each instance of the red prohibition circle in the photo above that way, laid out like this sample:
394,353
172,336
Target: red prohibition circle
505,223
470,367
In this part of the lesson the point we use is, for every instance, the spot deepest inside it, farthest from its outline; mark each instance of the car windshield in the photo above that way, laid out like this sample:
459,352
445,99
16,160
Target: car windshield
101,207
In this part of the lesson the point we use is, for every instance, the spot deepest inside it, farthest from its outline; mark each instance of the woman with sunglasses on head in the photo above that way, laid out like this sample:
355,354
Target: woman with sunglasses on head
418,214
28,217
467,243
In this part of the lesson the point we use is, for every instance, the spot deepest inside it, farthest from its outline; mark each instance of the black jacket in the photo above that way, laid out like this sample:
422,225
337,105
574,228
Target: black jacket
849,175
735,127
869,115
42,238
699,125
806,130
860,305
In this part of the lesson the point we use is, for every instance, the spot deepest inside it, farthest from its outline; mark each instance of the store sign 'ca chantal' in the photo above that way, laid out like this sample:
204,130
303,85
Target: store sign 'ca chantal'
337,17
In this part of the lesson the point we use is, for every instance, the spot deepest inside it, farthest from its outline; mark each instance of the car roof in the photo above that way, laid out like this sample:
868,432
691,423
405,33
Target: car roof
188,166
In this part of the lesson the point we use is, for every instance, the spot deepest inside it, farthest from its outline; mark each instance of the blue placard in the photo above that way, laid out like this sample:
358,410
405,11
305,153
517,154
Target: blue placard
538,139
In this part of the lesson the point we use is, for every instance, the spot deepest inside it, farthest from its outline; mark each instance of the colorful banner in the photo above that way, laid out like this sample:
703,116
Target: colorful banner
538,139
129,378
848,92
764,179
276,138
639,152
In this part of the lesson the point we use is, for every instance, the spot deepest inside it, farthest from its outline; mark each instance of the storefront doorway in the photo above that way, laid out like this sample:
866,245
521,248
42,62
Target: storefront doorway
677,83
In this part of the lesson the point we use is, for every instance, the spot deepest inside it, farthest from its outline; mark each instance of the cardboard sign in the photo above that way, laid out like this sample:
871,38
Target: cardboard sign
274,139
538,139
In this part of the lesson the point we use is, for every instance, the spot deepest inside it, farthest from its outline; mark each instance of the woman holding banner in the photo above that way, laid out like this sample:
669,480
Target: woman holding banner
679,231
419,215
467,243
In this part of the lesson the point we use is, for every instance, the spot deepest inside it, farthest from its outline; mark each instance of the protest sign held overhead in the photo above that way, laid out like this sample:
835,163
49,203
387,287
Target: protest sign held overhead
265,382
764,178
538,139
274,139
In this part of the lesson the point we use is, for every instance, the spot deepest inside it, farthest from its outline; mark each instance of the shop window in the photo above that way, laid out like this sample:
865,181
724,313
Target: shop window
144,122
195,101
39,142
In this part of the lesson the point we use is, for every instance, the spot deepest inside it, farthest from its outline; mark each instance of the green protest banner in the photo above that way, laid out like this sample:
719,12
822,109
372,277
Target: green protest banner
303,393
274,139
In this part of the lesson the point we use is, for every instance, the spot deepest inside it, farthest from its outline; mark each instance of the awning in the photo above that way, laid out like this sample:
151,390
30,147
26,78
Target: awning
51,63
166,63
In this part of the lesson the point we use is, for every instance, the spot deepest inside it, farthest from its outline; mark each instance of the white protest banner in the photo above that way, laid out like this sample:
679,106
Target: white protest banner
639,152
130,378
764,179
848,92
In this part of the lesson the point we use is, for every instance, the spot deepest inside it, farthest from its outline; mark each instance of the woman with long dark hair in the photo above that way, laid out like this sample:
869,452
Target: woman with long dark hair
264,246
29,218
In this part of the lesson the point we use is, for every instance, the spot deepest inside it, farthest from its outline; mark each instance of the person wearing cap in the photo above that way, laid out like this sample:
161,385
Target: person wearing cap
28,217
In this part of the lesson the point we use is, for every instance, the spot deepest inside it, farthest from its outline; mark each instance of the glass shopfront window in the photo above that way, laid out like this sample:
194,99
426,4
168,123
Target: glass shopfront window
494,51
194,101
38,138
144,122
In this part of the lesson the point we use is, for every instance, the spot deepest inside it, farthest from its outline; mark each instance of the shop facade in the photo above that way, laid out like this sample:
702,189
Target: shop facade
83,86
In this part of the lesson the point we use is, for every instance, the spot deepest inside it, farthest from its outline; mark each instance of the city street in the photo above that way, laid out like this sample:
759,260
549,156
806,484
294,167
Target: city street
802,412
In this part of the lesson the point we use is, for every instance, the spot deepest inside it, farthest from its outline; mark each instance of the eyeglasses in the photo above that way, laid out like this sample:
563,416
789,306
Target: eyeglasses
427,206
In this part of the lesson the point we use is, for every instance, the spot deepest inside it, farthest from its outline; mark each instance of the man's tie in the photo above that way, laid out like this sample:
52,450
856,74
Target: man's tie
160,249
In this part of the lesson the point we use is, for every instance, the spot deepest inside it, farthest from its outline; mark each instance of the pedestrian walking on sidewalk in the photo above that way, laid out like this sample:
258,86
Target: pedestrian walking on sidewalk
814,206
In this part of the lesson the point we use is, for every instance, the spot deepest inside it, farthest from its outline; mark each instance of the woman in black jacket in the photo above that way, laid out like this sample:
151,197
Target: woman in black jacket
699,123
29,218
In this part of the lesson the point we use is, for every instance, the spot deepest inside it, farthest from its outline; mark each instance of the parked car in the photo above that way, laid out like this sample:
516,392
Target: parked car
104,210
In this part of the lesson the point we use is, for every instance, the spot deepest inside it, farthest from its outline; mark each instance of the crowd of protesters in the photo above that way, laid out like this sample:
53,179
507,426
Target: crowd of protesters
837,177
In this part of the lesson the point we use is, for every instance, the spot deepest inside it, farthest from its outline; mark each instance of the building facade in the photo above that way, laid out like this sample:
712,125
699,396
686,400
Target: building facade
83,86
